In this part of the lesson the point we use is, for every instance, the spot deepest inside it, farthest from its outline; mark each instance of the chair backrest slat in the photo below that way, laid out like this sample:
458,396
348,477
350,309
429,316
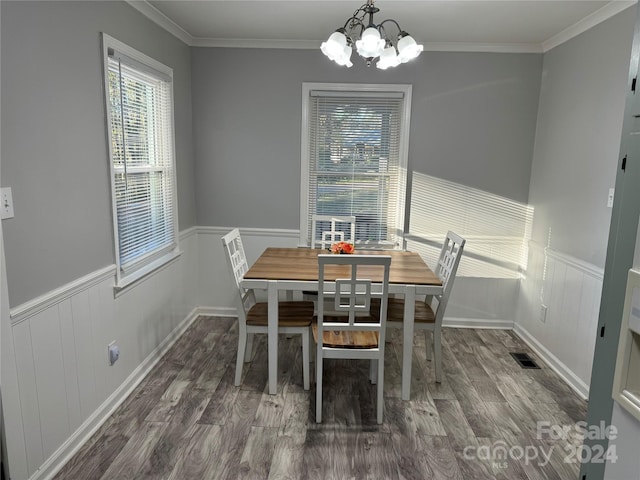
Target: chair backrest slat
349,296
238,266
236,257
447,267
328,229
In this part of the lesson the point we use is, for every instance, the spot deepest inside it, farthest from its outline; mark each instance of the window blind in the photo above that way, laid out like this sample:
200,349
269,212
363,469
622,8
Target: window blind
142,154
354,162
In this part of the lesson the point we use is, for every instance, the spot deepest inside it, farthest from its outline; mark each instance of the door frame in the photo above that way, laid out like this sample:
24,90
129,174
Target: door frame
621,246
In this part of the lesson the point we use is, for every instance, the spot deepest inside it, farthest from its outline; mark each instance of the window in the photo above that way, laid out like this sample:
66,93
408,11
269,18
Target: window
139,107
354,158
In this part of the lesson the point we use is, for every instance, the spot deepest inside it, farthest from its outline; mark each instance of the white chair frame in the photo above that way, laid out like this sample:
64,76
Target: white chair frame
245,298
351,298
446,269
329,237
332,235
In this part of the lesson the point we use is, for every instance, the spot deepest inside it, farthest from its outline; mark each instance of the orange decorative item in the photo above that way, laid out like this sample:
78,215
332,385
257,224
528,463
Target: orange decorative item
342,247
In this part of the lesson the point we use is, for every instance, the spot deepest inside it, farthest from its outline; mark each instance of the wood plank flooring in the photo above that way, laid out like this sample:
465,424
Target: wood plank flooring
187,420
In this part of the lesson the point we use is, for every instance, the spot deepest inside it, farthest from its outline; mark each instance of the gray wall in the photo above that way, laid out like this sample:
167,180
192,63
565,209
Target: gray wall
578,137
473,122
54,153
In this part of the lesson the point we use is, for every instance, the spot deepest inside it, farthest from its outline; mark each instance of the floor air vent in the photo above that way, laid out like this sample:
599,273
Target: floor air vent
524,360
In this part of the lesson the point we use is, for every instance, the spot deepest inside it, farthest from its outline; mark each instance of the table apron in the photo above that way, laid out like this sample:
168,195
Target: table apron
295,285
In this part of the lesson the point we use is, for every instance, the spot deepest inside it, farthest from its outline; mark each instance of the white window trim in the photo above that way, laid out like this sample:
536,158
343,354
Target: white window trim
307,88
125,280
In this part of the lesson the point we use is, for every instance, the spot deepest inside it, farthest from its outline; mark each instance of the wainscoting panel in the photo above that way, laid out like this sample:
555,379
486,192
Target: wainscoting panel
86,378
67,387
482,303
28,395
49,370
70,365
484,294
565,336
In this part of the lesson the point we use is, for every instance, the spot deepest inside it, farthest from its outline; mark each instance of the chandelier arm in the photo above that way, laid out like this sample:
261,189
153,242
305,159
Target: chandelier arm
392,21
383,33
354,22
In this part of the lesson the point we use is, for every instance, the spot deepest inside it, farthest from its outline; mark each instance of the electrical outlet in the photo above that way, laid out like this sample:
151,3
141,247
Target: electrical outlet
610,197
114,352
543,313
6,203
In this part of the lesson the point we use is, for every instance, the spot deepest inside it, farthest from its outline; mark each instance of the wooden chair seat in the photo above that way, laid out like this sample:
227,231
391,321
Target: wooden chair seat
346,339
395,310
290,314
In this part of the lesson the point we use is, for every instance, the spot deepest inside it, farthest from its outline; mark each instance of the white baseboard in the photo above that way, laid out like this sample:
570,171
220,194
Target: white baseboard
454,322
451,322
576,384
218,311
69,448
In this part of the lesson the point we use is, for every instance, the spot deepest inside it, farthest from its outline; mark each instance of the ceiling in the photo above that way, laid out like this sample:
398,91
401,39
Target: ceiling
453,25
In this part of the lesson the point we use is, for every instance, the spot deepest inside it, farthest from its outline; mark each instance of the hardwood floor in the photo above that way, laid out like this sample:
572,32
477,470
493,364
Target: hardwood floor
187,420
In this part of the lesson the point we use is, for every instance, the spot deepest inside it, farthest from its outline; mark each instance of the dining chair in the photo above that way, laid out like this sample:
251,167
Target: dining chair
293,317
430,311
328,229
349,330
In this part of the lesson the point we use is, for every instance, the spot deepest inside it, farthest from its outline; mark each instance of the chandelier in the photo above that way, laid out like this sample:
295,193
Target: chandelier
371,41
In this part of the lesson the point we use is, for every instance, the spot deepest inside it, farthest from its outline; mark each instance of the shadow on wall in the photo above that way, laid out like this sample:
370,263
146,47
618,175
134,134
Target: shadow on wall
497,229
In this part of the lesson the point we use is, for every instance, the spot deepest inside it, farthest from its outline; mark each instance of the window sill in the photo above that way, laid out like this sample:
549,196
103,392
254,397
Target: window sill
125,283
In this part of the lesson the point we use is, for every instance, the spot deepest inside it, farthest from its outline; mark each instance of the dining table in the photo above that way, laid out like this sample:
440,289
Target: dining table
293,269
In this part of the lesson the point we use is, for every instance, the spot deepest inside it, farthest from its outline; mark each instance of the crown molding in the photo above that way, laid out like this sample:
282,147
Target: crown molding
255,43
612,8
483,47
315,45
155,15
590,21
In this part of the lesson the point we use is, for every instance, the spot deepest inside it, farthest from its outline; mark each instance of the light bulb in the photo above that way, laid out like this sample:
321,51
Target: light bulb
388,58
370,44
408,49
345,58
334,46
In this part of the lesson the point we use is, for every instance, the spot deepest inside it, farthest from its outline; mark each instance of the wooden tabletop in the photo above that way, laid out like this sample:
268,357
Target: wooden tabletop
301,264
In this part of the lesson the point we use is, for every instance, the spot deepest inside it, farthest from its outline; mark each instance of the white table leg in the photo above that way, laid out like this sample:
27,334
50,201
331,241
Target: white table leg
407,342
272,334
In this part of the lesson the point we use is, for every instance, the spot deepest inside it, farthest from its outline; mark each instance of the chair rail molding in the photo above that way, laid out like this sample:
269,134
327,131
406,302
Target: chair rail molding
251,232
574,262
53,297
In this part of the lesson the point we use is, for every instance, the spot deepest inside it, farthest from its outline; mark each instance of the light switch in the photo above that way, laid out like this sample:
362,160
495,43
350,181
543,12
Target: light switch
610,198
6,202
